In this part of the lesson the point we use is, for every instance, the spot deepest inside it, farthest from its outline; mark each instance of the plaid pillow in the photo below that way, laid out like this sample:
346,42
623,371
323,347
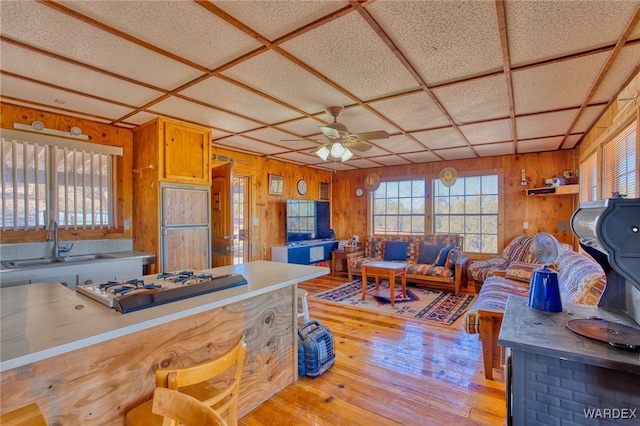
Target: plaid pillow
521,271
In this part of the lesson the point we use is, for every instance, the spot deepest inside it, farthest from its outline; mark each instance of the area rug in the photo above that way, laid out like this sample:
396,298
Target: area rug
421,303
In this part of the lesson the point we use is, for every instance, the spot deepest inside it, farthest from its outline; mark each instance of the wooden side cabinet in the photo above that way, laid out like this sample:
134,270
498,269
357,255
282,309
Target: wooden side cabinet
185,157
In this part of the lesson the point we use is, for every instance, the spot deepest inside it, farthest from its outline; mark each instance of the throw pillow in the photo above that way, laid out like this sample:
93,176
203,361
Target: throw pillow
428,253
395,250
521,271
442,256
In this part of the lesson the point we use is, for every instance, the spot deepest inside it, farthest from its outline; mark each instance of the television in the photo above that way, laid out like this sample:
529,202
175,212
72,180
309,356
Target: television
308,220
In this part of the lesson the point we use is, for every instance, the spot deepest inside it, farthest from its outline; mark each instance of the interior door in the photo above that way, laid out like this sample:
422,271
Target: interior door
222,236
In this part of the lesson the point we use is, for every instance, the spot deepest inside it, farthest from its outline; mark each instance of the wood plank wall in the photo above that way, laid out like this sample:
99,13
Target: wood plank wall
98,133
543,214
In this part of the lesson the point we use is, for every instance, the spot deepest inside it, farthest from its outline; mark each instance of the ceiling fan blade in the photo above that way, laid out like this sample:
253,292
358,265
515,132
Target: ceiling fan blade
330,133
357,146
379,134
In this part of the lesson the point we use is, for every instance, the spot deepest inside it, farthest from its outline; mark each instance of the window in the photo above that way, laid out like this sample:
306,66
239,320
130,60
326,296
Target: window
469,208
620,164
41,181
589,173
399,208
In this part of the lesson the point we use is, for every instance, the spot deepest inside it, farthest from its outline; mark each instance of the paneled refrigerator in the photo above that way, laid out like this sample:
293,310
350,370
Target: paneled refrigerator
185,230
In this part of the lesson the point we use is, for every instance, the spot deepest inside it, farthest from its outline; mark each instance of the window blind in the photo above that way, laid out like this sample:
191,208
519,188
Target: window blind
620,162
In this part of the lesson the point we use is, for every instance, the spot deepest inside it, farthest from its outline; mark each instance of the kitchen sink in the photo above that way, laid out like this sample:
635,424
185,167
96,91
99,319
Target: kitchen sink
44,261
84,257
26,263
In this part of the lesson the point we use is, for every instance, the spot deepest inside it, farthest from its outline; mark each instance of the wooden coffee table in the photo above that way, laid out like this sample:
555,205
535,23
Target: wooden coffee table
388,269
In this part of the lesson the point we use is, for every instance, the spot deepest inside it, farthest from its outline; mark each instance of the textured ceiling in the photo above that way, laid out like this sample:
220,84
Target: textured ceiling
447,79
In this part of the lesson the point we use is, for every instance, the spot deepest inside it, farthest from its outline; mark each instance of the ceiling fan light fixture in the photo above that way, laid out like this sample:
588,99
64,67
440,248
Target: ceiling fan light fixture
347,155
323,152
337,150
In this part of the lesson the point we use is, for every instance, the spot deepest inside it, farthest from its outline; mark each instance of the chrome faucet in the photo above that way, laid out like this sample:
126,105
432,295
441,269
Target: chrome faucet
57,249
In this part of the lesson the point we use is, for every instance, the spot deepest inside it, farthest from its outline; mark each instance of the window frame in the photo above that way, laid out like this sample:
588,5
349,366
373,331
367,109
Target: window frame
50,144
499,215
372,214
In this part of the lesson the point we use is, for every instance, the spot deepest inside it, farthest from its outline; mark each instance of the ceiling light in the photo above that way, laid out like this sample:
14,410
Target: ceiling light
337,150
323,152
347,154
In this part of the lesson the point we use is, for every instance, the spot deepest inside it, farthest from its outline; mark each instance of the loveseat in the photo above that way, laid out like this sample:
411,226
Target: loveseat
580,278
435,261
518,250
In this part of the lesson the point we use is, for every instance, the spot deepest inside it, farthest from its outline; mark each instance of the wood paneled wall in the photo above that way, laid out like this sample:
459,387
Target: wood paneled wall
543,214
98,133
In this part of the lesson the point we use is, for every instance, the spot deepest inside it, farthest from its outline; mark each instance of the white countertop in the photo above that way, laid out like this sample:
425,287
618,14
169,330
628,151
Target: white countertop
46,319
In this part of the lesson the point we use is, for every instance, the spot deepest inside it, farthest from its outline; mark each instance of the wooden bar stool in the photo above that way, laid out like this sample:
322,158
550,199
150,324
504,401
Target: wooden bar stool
27,415
179,408
196,382
303,307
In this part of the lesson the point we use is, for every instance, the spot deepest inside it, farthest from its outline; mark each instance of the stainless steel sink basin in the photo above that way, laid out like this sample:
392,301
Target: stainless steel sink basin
26,263
84,257
44,261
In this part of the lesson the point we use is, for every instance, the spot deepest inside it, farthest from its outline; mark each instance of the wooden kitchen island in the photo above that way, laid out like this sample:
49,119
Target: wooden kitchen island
84,363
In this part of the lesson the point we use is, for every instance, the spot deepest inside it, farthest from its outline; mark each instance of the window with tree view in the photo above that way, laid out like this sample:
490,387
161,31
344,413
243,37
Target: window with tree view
399,208
469,208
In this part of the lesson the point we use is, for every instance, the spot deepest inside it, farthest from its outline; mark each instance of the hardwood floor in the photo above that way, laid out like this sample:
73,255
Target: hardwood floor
388,371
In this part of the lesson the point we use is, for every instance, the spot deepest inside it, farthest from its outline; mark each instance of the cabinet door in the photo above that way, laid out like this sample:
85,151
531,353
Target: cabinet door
185,156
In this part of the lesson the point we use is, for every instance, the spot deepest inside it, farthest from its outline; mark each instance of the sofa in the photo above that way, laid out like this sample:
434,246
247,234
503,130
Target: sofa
581,280
518,250
429,265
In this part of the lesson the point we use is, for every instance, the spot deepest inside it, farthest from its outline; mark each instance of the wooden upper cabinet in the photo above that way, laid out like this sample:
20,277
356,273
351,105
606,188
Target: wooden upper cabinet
185,155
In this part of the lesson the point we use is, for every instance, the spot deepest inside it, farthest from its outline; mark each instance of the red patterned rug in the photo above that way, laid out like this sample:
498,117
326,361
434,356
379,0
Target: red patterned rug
421,303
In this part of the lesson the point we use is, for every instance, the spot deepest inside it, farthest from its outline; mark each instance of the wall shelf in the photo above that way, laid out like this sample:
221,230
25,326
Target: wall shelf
554,190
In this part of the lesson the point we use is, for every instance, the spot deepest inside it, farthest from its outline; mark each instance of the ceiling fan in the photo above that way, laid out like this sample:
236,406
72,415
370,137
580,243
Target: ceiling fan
341,142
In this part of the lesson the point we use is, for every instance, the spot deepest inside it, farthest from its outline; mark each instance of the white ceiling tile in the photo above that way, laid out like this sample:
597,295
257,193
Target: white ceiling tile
622,68
240,142
21,89
273,74
181,108
588,118
440,138
491,131
539,145
541,125
374,151
412,112
504,148
34,23
196,34
299,157
391,160
572,141
541,30
217,92
443,40
558,85
474,100
273,19
456,153
357,59
141,118
282,139
361,163
53,71
304,127
399,144
422,157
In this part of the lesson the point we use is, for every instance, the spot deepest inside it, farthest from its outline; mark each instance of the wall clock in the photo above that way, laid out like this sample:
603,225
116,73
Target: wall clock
359,191
302,187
